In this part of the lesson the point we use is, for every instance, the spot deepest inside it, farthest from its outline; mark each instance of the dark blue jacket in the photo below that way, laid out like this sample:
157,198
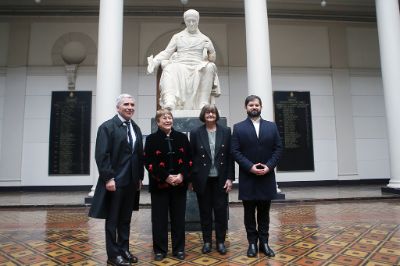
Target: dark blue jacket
248,150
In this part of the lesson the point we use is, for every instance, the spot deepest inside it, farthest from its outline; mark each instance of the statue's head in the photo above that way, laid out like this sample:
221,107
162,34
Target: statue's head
191,18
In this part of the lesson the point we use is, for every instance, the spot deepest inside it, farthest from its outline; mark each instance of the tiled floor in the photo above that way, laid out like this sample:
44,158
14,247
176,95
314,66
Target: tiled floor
336,225
365,232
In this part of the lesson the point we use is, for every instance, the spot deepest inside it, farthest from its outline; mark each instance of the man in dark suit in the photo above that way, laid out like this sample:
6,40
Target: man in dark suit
119,158
212,175
256,147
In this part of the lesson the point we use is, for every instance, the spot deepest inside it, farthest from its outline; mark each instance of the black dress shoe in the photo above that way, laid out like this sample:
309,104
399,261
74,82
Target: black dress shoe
221,248
159,256
252,250
118,261
206,248
264,247
129,257
180,255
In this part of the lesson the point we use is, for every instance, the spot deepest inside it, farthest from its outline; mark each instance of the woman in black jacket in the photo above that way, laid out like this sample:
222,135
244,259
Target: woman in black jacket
167,159
212,175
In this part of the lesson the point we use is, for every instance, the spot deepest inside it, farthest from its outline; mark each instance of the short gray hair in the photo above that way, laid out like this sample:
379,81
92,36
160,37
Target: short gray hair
119,99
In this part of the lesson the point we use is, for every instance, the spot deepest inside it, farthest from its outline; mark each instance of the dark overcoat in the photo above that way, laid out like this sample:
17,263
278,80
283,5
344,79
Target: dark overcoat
114,159
159,159
248,149
201,157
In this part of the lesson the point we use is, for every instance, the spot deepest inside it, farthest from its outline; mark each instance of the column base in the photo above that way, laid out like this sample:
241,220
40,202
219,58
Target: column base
280,196
88,200
390,190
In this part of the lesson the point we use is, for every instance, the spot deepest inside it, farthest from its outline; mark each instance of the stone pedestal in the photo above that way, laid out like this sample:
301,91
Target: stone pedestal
192,216
390,190
186,113
280,196
88,200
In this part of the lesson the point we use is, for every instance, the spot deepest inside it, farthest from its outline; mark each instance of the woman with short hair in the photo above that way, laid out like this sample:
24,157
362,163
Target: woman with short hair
167,159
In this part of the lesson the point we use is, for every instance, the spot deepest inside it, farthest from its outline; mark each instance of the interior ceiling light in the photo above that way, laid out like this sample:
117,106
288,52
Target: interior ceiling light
323,3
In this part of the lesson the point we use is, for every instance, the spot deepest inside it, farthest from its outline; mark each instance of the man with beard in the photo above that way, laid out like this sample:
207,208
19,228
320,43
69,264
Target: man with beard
256,147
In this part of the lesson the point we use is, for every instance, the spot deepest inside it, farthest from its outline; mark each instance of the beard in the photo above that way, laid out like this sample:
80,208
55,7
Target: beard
253,113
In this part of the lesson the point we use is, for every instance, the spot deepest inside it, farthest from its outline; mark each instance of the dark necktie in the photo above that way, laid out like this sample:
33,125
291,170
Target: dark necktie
128,125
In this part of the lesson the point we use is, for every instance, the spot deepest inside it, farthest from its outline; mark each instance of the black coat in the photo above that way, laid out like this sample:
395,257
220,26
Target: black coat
114,159
248,150
158,160
201,157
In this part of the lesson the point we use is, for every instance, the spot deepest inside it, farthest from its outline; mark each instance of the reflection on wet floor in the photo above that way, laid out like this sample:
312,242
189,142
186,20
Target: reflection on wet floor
363,232
298,193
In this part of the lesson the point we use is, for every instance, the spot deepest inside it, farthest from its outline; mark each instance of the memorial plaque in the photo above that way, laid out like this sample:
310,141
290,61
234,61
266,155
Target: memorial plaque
70,123
293,118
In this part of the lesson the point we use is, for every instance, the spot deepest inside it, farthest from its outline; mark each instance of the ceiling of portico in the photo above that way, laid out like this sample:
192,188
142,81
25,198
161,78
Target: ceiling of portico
357,10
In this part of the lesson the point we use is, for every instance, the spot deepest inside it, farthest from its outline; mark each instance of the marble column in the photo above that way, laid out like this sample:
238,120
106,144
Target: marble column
259,80
258,55
109,63
14,119
388,20
341,81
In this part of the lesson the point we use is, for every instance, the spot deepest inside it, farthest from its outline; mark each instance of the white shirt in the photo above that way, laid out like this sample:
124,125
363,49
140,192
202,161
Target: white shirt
131,128
256,124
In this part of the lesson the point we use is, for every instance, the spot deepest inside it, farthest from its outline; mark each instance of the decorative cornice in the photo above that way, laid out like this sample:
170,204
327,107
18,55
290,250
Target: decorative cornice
339,14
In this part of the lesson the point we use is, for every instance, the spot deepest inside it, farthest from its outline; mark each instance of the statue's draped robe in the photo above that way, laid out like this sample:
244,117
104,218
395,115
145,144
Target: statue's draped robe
189,75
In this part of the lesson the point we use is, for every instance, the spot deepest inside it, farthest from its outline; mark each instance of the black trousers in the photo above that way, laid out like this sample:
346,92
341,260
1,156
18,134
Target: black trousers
118,221
173,201
254,232
214,200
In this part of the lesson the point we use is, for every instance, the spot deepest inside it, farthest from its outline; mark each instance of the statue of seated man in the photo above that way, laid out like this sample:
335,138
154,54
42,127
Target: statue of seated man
189,76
